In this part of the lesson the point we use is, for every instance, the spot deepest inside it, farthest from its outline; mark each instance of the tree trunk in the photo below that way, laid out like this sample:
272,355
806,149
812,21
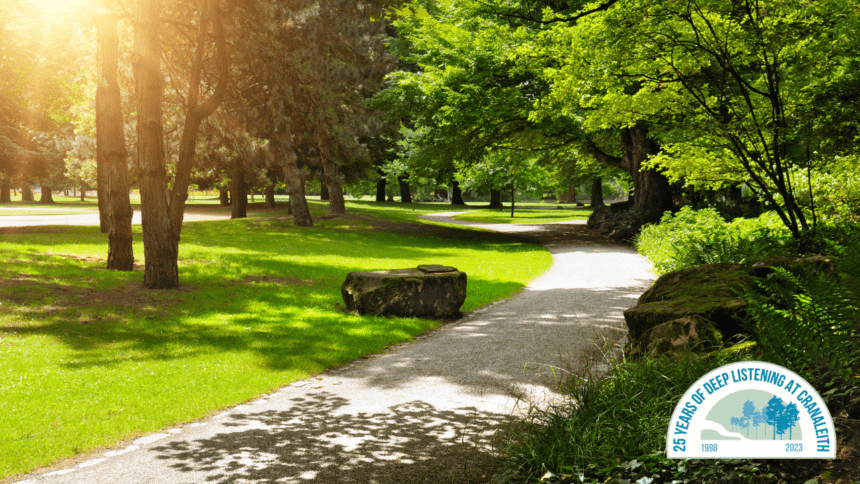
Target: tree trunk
84,195
653,193
47,195
513,200
380,187
210,15
26,193
405,193
239,189
111,150
331,176
457,194
101,169
570,196
496,198
597,192
324,195
270,195
5,190
224,196
159,241
295,181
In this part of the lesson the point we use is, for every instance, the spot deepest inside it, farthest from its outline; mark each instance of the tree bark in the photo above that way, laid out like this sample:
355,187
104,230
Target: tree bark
47,195
239,189
324,195
111,151
496,198
101,169
405,193
380,187
653,193
159,241
270,195
224,196
26,193
295,181
456,194
597,192
5,190
84,195
331,176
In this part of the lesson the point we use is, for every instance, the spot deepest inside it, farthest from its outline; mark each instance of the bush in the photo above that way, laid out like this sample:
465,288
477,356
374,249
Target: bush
809,321
691,238
609,422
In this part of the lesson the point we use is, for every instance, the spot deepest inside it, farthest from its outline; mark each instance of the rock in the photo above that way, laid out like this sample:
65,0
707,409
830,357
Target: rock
690,333
427,291
815,263
712,292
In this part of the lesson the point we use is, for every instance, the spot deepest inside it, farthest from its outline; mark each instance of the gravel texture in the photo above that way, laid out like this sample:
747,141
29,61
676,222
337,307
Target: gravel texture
422,412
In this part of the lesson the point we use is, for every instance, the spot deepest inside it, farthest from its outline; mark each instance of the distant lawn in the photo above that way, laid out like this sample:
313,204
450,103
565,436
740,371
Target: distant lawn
89,357
18,211
525,216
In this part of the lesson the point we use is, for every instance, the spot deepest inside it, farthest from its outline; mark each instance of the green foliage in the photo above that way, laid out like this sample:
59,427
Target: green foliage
691,238
809,320
608,421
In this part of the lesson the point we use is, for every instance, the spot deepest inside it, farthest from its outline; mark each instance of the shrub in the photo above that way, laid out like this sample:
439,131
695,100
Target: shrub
616,427
691,238
809,321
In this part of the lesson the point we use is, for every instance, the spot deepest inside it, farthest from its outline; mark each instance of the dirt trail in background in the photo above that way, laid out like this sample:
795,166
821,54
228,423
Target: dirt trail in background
422,412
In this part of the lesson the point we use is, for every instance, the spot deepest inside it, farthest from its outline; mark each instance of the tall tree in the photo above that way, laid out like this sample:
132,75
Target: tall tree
111,148
162,216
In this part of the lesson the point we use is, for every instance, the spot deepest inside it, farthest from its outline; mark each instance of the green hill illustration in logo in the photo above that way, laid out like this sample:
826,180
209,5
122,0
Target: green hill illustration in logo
752,415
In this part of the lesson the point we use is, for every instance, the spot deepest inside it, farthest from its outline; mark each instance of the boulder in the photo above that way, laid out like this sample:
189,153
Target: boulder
711,292
427,291
690,333
815,263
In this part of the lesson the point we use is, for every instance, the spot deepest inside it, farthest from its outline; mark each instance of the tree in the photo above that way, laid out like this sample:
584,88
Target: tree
749,412
790,416
162,218
773,416
727,87
111,147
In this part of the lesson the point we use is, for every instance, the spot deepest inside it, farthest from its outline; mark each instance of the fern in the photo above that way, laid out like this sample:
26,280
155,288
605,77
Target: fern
810,321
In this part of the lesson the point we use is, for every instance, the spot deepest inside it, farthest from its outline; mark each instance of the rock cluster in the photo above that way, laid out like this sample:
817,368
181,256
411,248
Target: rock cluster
702,307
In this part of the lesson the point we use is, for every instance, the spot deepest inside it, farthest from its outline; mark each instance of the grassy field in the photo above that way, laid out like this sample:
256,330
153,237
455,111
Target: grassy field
527,216
88,357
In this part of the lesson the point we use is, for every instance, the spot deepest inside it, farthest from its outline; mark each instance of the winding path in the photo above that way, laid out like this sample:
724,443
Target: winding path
422,412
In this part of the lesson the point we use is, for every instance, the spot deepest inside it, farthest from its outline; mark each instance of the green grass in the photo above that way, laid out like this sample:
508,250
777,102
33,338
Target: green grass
524,216
88,357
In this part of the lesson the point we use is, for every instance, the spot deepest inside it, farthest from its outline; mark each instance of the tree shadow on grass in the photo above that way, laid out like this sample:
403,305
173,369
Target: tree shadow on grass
318,438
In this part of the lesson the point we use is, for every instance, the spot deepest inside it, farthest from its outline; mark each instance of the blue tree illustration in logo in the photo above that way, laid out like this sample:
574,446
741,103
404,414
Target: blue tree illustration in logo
789,417
757,420
773,412
749,411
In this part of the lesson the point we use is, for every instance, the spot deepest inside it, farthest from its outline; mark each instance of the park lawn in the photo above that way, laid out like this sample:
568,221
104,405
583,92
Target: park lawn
527,216
90,358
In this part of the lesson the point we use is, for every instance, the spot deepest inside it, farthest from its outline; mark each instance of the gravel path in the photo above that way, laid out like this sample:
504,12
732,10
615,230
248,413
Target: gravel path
89,218
423,412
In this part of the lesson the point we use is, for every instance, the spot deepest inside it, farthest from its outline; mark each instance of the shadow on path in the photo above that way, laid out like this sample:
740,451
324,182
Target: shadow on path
313,440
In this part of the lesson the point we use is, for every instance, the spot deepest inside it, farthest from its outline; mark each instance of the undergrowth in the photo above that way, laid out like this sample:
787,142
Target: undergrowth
691,238
614,429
